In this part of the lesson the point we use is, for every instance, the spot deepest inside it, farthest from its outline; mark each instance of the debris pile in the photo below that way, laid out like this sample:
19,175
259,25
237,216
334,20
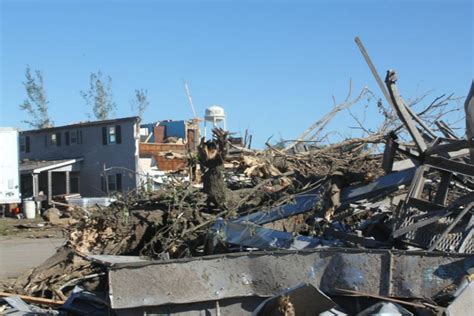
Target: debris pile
342,229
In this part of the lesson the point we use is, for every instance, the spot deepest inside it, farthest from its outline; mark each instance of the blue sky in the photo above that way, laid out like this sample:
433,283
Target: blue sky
273,65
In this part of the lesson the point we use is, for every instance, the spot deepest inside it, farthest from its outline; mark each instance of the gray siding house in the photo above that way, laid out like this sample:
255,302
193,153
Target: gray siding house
74,158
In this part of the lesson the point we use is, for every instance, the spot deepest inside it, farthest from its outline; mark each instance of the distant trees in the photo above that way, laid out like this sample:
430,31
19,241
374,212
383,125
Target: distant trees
140,102
36,104
99,96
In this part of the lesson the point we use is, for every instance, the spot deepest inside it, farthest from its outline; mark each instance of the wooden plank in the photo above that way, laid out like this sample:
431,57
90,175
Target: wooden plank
416,187
404,164
34,300
373,70
443,188
419,121
447,147
449,165
406,150
389,154
407,114
401,109
444,128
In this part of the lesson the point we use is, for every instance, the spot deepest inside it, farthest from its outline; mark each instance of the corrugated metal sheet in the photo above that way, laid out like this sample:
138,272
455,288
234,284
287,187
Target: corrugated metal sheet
379,272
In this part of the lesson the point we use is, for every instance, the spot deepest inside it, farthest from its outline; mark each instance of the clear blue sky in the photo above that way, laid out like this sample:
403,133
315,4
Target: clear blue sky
273,65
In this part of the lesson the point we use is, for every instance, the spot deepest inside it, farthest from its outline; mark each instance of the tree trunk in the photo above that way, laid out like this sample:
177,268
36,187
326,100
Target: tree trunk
211,158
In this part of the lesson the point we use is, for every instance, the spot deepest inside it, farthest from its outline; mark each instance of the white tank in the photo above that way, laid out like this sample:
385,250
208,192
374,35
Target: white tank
214,113
29,209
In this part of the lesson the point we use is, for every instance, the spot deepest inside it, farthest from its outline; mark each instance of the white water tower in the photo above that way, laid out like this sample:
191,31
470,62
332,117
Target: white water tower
215,115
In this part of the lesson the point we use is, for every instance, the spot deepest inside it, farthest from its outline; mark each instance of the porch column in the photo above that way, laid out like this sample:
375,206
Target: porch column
50,187
35,185
68,182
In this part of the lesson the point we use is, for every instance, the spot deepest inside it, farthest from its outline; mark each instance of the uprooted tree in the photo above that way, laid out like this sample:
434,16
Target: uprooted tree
36,104
211,156
99,96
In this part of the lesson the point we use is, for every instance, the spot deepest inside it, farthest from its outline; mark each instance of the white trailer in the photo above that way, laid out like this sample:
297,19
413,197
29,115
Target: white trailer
9,166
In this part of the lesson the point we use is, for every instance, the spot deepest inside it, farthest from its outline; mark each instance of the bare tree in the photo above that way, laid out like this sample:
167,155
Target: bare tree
99,96
140,102
36,105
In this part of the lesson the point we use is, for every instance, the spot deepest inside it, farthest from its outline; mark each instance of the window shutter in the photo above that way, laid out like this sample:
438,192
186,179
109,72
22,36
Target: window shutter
66,138
104,135
119,181
27,144
118,134
102,182
58,139
79,137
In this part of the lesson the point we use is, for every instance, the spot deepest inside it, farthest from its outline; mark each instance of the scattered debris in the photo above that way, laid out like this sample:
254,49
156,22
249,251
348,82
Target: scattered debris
342,229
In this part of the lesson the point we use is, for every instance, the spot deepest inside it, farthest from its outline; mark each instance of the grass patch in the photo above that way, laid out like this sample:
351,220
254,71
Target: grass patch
4,228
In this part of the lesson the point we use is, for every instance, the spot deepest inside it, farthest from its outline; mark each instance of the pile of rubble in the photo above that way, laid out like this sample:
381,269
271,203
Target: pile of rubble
334,230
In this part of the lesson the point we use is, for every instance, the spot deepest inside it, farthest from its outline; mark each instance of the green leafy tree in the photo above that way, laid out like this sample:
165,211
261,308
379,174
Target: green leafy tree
140,102
36,104
99,96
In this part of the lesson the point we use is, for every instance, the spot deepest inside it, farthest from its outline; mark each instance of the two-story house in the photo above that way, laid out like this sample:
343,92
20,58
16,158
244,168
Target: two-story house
91,158
101,157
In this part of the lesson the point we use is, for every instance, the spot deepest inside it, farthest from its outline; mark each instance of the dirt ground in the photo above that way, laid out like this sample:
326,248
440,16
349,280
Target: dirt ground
19,254
24,244
29,228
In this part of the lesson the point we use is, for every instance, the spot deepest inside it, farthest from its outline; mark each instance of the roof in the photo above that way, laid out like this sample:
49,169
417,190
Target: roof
37,166
82,124
8,129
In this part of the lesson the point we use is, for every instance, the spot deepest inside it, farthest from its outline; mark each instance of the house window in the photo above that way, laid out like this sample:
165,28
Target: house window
114,183
111,135
73,137
25,144
55,139
79,137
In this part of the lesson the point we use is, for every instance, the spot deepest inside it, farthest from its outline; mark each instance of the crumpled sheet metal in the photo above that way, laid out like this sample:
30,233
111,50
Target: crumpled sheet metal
302,204
378,272
308,201
379,186
255,236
